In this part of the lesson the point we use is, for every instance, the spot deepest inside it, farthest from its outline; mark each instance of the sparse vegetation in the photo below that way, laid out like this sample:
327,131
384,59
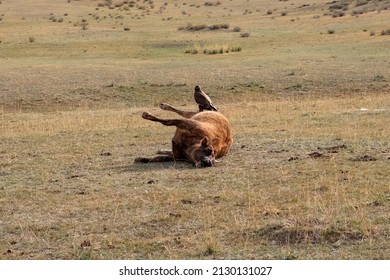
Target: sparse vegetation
191,27
339,5
358,7
219,26
331,31
210,4
338,14
357,12
213,49
361,2
385,32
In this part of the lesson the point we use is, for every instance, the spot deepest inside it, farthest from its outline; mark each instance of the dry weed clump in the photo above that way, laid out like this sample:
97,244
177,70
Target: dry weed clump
331,31
339,5
211,4
336,14
358,7
199,27
302,232
53,18
385,32
126,5
213,49
99,205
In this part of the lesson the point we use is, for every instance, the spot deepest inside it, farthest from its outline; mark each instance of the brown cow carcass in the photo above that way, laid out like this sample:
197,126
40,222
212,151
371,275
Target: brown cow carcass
200,138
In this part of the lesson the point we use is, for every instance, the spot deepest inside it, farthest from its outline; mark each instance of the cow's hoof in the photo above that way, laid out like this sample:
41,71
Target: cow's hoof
164,106
146,115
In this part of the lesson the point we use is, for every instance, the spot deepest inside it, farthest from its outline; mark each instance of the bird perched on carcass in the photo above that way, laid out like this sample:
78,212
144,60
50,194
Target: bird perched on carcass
204,102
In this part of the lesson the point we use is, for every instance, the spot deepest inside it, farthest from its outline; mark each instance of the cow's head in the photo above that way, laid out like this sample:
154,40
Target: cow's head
202,154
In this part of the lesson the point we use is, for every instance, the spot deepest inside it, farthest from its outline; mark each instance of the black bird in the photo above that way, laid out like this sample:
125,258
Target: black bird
204,102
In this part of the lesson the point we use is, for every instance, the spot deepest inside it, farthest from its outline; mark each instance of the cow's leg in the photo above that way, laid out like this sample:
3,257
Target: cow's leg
158,158
185,114
187,124
162,156
164,152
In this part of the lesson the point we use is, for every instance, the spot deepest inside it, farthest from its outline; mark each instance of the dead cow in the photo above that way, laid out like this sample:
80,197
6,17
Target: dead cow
200,138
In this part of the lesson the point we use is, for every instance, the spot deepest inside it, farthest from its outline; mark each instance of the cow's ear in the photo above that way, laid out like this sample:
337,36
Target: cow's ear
205,142
215,141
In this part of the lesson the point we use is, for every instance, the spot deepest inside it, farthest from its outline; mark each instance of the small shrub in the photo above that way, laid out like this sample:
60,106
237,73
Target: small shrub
245,35
210,4
336,14
269,12
84,26
379,78
385,32
361,3
236,49
237,29
284,14
31,39
338,6
331,31
192,50
191,27
357,12
213,50
209,251
219,26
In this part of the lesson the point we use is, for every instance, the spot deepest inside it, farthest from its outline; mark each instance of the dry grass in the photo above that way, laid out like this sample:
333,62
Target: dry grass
307,177
293,185
213,49
65,63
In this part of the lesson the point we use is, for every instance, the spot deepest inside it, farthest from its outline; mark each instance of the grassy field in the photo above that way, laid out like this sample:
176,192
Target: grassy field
307,95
